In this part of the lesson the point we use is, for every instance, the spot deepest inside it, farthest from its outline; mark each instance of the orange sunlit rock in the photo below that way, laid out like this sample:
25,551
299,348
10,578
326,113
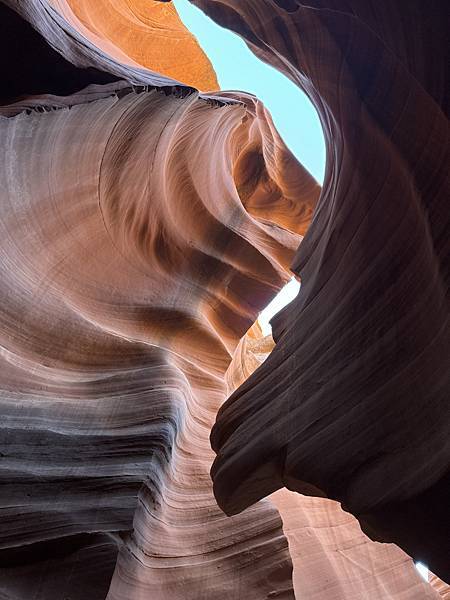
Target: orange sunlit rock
143,227
147,32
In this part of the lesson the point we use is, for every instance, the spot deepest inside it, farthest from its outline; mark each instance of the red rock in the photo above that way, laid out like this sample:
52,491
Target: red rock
352,403
143,226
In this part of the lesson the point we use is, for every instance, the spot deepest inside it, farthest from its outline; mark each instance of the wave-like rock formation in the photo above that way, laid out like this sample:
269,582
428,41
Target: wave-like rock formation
352,404
141,33
331,556
440,586
143,226
128,276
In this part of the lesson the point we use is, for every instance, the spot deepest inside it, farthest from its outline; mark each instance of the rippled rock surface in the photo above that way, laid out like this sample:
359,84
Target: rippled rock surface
143,226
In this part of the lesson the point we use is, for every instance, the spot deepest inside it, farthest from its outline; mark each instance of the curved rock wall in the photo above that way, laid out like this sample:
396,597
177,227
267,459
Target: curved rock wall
131,265
143,226
142,32
331,556
352,402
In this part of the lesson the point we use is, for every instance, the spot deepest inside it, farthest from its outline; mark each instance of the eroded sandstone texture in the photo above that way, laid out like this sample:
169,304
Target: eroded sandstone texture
141,32
353,402
143,226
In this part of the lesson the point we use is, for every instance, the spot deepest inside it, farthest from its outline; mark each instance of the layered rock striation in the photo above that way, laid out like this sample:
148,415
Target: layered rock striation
143,226
128,276
352,402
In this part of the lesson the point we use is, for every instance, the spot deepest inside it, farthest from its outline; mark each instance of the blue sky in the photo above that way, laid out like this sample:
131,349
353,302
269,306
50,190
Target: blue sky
237,68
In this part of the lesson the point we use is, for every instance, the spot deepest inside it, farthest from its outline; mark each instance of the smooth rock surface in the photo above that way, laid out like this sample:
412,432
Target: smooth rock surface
142,32
143,226
353,402
331,556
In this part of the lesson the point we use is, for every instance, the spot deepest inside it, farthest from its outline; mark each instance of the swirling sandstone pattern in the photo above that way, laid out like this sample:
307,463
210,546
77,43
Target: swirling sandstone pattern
352,403
142,32
142,228
128,276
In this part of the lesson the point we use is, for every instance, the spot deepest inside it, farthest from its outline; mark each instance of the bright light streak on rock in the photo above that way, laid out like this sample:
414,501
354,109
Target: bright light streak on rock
284,296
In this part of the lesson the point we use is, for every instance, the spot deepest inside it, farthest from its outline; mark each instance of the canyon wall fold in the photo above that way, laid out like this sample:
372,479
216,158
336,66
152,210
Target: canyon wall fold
331,556
352,403
128,276
143,227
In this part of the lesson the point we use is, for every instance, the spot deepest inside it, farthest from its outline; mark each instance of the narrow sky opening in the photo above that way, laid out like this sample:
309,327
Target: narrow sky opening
295,117
237,68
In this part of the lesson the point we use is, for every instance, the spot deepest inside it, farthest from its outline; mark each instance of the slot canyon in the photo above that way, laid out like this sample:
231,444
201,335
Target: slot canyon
154,443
